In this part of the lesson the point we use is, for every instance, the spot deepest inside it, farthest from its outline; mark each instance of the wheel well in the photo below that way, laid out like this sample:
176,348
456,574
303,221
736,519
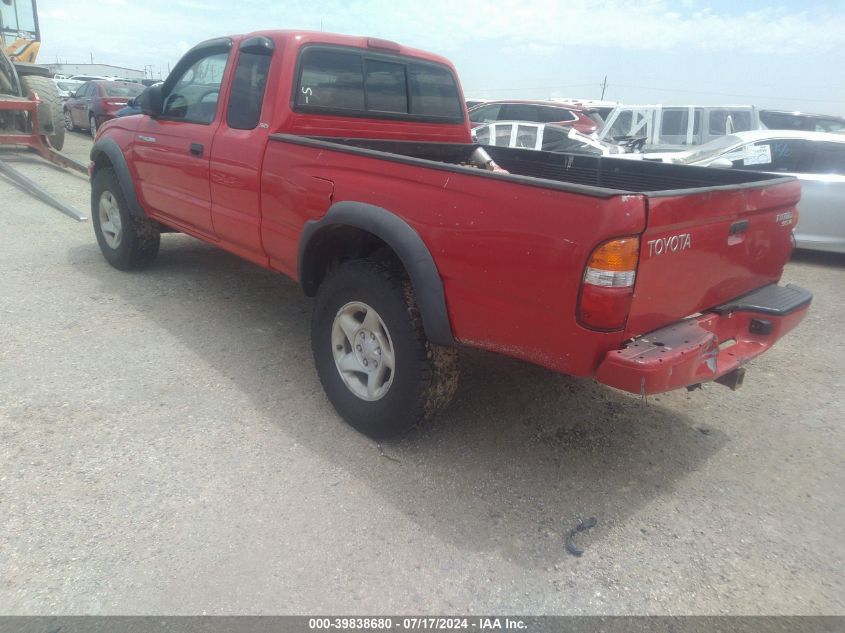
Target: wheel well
101,160
333,245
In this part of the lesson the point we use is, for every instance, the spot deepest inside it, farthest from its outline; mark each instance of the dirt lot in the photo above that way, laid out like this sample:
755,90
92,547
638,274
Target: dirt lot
166,448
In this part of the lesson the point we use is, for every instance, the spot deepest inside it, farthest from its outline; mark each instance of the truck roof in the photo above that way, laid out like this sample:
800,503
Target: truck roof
355,41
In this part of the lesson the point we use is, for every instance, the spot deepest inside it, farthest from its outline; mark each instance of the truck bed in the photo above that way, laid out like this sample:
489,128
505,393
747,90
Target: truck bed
592,175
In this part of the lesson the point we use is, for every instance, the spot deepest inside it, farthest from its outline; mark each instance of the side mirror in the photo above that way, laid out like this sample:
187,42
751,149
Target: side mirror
150,101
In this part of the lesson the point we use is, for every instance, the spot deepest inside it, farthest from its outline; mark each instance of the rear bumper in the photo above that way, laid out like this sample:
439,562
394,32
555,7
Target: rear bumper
706,347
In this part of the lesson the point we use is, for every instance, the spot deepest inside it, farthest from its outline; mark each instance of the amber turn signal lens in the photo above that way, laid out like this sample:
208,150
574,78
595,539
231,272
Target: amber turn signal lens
619,255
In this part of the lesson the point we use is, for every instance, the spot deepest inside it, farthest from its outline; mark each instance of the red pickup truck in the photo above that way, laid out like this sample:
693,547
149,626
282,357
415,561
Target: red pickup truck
347,164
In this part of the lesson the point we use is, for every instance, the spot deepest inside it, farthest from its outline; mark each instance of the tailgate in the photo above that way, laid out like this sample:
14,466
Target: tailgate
702,249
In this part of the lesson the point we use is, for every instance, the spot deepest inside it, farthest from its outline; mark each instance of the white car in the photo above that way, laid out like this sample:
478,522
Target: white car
817,159
542,136
66,87
91,78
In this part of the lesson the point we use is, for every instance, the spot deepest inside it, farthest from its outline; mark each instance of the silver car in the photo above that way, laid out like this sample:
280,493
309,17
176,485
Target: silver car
817,159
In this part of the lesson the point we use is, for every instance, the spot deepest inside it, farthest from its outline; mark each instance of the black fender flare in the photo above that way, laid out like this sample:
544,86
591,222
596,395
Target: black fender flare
405,242
107,147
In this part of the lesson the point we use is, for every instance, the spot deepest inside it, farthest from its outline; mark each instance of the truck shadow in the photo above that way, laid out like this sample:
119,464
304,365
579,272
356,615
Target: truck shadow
819,258
510,467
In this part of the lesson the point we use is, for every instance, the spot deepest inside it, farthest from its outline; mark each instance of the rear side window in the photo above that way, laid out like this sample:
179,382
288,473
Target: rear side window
553,115
519,112
675,123
778,155
486,114
829,158
354,83
729,121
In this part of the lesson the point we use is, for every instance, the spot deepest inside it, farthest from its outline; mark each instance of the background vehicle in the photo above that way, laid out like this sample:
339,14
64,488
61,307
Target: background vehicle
95,102
19,30
91,78
542,136
347,164
18,78
665,128
785,120
67,87
537,112
817,159
133,105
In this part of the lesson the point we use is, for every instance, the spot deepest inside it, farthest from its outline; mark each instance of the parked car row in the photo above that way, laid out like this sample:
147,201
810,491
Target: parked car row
95,102
731,137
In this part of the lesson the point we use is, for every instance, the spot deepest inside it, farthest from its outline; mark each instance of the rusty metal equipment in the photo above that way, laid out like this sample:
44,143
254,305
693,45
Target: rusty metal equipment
38,143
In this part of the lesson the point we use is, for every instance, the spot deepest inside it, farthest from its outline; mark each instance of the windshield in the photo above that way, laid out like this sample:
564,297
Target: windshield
19,18
113,89
68,86
711,149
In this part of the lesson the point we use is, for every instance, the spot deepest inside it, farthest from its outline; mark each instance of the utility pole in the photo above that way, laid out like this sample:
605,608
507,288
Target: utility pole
92,57
603,86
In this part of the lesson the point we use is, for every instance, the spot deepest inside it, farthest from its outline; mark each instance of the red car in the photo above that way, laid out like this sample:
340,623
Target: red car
95,102
582,119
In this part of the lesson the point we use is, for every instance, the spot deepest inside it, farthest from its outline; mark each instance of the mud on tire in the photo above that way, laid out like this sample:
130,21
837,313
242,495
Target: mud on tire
423,377
127,242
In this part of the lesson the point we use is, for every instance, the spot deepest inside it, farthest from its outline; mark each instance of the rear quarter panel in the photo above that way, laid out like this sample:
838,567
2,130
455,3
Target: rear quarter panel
510,255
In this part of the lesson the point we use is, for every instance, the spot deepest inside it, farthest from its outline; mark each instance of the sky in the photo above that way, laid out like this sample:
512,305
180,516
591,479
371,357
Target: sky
776,54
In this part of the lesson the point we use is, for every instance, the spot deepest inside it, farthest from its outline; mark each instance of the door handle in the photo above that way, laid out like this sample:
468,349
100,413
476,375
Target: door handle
197,149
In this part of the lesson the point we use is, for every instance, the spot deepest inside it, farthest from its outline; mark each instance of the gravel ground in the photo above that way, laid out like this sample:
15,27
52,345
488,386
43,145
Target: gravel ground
166,448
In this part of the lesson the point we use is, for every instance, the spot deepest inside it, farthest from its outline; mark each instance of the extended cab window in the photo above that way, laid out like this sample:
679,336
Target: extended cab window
355,83
194,96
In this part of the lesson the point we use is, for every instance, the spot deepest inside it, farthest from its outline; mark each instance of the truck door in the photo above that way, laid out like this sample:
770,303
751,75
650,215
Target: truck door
172,150
239,148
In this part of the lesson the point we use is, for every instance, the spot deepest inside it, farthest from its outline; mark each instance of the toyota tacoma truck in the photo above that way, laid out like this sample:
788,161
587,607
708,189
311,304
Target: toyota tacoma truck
346,163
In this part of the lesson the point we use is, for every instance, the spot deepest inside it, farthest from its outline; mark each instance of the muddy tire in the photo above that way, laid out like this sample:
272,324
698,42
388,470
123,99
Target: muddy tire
376,365
49,94
127,242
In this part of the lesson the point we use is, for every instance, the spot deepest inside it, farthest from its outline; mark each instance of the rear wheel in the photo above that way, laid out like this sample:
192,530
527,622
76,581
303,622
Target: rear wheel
127,242
92,125
54,127
376,365
70,126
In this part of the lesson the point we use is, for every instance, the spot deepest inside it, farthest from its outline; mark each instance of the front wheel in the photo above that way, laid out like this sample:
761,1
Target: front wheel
126,241
376,365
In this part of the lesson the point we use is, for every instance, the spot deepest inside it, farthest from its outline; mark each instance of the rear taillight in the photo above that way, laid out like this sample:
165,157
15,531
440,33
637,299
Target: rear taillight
608,284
